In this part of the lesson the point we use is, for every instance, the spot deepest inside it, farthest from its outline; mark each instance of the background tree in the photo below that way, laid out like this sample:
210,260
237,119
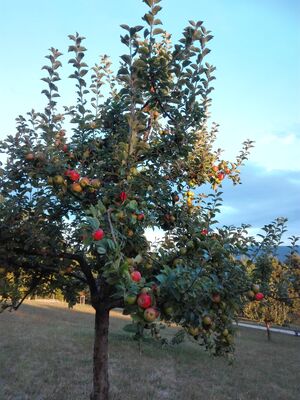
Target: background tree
83,183
276,279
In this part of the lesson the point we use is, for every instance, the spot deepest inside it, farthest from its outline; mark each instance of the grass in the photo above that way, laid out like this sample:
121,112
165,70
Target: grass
46,352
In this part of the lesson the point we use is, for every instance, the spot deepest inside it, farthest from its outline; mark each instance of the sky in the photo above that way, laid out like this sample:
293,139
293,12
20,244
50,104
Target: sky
257,89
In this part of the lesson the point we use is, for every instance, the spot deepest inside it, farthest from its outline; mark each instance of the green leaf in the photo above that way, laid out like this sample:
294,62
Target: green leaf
127,59
101,250
149,2
93,222
157,22
161,278
101,207
111,244
148,18
132,205
156,9
158,31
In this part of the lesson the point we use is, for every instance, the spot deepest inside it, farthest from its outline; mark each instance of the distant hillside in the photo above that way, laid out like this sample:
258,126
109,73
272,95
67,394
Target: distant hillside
282,252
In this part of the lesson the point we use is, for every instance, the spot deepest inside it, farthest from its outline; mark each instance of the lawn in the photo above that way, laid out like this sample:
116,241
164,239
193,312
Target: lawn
46,352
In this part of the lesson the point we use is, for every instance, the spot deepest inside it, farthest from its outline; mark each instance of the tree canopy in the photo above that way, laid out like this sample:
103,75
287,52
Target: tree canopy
83,183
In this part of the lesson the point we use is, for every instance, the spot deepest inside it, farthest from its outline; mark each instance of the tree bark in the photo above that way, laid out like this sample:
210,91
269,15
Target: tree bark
100,359
268,330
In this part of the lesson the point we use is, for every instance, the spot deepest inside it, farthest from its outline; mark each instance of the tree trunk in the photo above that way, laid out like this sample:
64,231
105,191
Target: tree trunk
268,330
100,368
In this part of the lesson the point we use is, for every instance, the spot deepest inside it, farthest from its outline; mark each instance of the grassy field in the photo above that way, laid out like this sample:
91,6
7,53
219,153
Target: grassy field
46,351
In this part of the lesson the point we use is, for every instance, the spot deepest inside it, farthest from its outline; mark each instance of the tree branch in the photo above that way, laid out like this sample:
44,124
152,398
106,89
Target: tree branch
31,289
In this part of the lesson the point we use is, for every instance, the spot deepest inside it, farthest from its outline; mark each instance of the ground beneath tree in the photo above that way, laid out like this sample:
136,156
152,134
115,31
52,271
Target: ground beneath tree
46,351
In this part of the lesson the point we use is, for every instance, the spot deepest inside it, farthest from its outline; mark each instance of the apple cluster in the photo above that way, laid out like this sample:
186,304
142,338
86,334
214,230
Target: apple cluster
254,293
143,306
218,173
74,182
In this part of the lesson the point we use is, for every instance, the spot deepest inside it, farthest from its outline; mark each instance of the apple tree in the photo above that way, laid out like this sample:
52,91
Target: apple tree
83,184
274,292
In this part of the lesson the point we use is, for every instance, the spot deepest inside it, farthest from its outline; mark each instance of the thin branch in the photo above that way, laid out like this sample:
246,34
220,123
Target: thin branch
44,268
20,302
111,226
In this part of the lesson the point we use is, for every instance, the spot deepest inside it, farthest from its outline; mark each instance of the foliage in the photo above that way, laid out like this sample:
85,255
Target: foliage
279,281
83,183
278,305
127,163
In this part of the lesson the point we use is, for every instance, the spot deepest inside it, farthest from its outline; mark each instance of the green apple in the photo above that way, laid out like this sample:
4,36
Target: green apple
130,299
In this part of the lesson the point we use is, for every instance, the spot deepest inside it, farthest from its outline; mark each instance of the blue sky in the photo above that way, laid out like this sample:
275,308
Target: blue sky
257,92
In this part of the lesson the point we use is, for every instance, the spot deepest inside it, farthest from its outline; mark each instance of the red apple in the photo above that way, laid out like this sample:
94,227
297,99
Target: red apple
123,196
221,176
259,296
144,300
98,234
72,175
204,232
140,216
136,276
150,314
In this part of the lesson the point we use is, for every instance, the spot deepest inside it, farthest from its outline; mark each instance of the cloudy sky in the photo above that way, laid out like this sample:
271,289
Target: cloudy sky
257,92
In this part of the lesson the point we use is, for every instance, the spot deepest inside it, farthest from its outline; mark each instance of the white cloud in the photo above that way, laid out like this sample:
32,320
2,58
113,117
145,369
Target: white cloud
228,210
277,152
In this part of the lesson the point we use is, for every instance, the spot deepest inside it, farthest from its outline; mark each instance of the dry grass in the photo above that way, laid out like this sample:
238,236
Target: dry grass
45,354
